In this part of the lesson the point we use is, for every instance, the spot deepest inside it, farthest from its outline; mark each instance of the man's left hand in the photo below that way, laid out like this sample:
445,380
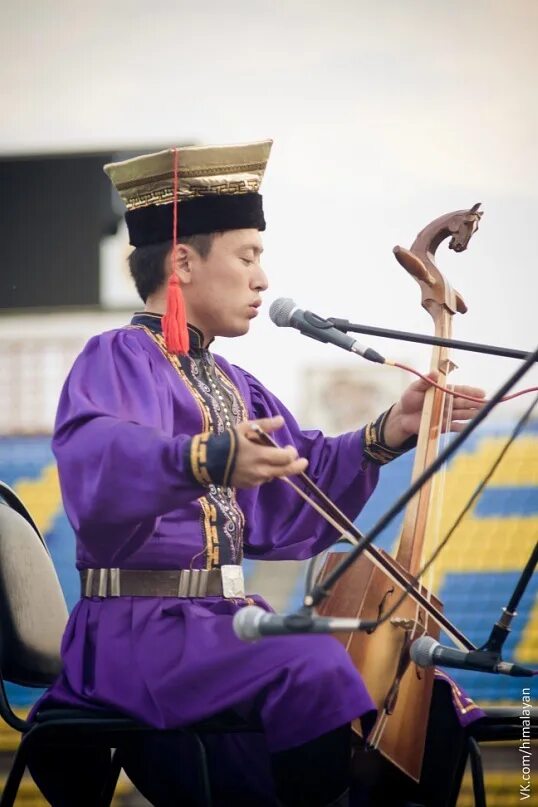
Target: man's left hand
404,418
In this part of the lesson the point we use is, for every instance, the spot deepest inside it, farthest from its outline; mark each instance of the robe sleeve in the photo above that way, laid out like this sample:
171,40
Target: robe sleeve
279,524
118,460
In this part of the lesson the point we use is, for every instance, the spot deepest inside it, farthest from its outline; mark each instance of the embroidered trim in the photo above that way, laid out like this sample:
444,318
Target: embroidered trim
174,361
374,445
211,533
214,170
212,457
218,500
198,457
234,391
457,693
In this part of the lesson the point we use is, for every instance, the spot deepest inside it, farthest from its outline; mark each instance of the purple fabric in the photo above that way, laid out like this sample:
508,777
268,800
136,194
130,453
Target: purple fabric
466,709
122,424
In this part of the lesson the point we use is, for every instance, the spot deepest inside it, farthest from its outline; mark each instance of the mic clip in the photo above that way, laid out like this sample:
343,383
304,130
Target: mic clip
317,324
485,659
317,321
301,621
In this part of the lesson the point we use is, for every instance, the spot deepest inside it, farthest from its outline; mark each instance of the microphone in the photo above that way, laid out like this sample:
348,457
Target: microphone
427,652
252,622
285,313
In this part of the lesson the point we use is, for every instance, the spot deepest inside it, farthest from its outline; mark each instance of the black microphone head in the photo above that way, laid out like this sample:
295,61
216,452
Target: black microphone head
280,311
246,621
421,651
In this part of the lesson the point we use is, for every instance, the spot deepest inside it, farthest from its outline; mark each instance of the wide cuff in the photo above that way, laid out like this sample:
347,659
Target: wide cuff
210,457
374,445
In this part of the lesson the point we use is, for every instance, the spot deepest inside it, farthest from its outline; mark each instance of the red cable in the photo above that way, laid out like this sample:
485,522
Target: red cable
174,230
459,394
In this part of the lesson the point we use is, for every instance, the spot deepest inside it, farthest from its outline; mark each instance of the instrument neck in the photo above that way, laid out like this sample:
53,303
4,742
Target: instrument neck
417,515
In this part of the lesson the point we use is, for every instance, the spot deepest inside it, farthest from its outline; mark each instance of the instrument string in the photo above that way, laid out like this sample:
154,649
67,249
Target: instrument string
437,502
412,583
379,729
432,533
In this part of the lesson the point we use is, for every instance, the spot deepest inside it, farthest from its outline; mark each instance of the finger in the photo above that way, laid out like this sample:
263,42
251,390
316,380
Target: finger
462,414
251,429
476,392
269,424
463,409
422,384
461,419
457,417
455,426
278,457
460,405
291,469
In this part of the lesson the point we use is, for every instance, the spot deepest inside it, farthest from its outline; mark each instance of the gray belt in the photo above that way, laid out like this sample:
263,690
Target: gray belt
224,582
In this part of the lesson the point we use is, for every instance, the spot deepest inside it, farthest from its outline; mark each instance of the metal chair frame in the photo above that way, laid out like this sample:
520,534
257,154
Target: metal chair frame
88,728
501,724
109,730
93,729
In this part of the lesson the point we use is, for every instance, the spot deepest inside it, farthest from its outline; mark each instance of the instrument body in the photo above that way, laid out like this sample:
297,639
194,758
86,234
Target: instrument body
382,657
402,692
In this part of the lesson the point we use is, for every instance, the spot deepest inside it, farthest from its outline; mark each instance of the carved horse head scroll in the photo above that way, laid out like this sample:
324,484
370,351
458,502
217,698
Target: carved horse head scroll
419,261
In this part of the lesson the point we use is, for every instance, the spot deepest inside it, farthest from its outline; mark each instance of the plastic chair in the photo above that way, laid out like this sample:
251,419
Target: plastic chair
33,615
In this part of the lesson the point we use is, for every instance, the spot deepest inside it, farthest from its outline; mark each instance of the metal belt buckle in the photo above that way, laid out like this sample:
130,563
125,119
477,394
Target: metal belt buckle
233,582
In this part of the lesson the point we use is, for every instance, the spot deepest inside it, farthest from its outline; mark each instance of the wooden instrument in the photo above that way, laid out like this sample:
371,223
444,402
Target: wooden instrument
401,690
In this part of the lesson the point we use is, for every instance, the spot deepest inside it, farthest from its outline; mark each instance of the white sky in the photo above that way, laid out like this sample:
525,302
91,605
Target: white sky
384,115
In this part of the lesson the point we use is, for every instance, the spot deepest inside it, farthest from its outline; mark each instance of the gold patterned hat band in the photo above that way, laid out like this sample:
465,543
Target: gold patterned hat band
217,190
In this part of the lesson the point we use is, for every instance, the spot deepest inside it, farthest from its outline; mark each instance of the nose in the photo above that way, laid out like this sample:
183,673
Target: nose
258,280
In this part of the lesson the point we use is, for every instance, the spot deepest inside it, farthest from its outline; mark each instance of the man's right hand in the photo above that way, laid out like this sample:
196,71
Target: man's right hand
255,463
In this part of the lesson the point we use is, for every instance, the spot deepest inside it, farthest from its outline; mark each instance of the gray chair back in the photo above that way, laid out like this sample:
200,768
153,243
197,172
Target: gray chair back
33,613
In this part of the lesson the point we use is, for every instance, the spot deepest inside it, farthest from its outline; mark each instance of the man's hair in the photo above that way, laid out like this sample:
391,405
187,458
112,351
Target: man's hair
146,264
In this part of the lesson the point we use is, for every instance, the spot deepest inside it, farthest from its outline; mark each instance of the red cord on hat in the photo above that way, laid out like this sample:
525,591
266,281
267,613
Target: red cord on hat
176,334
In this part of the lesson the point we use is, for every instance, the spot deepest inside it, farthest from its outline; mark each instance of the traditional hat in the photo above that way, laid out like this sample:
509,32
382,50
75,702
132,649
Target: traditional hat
189,191
218,189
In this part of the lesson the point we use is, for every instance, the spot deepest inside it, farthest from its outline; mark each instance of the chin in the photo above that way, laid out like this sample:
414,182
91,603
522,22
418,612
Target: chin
238,329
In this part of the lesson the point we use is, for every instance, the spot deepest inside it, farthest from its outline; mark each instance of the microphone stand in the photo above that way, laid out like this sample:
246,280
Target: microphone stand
501,628
345,325
321,591
303,620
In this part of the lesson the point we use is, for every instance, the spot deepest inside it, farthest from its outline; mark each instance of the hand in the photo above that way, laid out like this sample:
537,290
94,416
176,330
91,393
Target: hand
255,463
404,418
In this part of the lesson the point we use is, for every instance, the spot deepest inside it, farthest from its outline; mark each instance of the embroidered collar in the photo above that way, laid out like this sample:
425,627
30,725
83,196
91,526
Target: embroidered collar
154,323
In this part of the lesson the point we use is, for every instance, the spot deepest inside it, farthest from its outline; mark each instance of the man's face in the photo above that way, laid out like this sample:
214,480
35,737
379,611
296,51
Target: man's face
223,293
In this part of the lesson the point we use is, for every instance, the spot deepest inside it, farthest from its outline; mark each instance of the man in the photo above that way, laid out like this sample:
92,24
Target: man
167,491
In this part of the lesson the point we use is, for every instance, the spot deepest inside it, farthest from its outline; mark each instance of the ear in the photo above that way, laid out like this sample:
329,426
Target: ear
182,264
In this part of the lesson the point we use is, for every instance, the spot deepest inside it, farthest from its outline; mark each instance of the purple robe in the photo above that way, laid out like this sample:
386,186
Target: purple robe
125,417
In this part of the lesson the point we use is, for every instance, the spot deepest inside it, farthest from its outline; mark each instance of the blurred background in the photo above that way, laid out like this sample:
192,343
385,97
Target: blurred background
384,116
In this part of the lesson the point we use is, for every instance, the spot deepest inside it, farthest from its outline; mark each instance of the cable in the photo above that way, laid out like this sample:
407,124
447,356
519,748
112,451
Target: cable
478,490
451,392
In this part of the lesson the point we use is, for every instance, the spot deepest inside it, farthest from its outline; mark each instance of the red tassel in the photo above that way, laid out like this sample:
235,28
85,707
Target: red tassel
175,330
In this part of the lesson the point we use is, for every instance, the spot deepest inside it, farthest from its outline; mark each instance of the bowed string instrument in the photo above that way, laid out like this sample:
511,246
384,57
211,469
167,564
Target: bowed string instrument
401,691
376,587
